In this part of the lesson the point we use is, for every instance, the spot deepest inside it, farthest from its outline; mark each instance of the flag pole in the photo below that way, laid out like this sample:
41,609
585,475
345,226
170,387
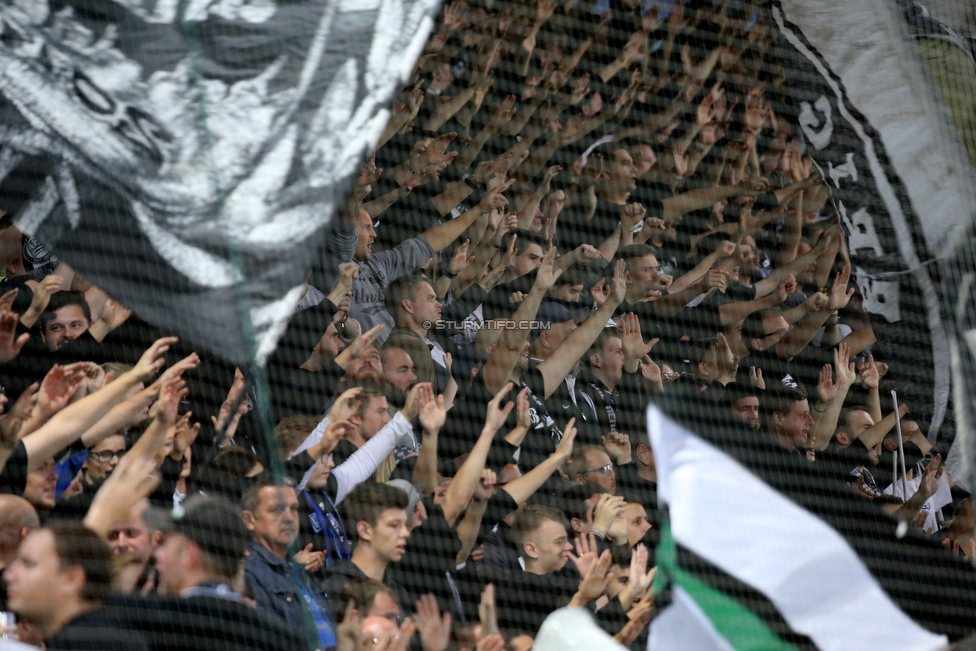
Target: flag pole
901,448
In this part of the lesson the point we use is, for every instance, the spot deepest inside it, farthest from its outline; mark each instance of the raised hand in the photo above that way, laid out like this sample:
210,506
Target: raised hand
348,272
522,409
166,408
152,360
565,447
189,362
330,438
756,377
56,390
42,295
360,343
786,286
586,552
10,343
7,300
931,477
640,578
487,612
433,414
826,389
460,260
631,215
310,559
606,511
817,302
595,581
870,377
133,479
414,397
715,279
547,275
633,341
496,415
839,295
651,371
345,405
618,289
680,159
435,630
495,196
845,368
728,362
369,173
618,447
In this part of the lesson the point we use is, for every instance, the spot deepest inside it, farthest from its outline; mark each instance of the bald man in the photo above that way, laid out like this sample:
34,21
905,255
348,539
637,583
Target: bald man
17,519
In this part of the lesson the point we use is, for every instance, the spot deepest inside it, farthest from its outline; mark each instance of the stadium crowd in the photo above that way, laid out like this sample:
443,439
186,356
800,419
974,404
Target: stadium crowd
571,210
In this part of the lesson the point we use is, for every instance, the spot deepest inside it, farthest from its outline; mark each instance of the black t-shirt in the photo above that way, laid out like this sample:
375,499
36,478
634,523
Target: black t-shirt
524,600
203,623
498,305
466,420
431,553
96,630
408,217
605,220
343,450
13,479
669,348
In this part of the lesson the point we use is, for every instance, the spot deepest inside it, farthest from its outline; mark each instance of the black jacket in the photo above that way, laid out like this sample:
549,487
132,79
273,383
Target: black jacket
203,624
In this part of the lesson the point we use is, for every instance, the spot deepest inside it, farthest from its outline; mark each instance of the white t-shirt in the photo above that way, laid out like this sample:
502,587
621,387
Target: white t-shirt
933,506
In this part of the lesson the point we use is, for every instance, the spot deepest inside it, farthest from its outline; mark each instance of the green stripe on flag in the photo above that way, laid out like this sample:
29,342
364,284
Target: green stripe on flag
738,625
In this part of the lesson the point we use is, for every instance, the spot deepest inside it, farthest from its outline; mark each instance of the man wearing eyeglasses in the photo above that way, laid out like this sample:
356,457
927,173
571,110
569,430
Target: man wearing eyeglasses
590,463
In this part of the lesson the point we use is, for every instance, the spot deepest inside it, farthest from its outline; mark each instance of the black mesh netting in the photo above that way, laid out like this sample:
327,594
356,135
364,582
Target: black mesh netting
406,408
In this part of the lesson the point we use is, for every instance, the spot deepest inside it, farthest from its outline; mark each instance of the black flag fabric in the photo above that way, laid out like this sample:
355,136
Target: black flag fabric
209,140
901,184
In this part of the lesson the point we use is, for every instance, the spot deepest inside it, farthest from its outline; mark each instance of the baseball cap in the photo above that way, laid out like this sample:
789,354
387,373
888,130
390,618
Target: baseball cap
412,493
554,312
211,522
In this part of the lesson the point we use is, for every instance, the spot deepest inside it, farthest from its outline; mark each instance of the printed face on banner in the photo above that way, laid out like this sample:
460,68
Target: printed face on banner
233,127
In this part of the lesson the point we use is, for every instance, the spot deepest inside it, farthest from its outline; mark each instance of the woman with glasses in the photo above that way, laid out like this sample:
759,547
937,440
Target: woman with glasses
102,459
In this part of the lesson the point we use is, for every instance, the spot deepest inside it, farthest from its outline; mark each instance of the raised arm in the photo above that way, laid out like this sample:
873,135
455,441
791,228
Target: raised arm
555,369
462,486
873,435
831,397
498,369
802,334
522,488
737,311
683,204
441,236
71,422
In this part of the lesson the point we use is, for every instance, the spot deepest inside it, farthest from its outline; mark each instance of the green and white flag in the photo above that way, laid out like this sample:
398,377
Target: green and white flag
761,552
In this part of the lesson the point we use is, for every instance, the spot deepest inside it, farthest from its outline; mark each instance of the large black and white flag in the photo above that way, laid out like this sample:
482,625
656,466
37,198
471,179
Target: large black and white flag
185,155
764,550
901,182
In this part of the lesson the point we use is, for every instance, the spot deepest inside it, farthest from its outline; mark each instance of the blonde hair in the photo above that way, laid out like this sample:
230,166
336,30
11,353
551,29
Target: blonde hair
385,470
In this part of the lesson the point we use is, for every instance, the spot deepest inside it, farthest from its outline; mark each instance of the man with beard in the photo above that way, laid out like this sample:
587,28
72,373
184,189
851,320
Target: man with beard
366,366
399,371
